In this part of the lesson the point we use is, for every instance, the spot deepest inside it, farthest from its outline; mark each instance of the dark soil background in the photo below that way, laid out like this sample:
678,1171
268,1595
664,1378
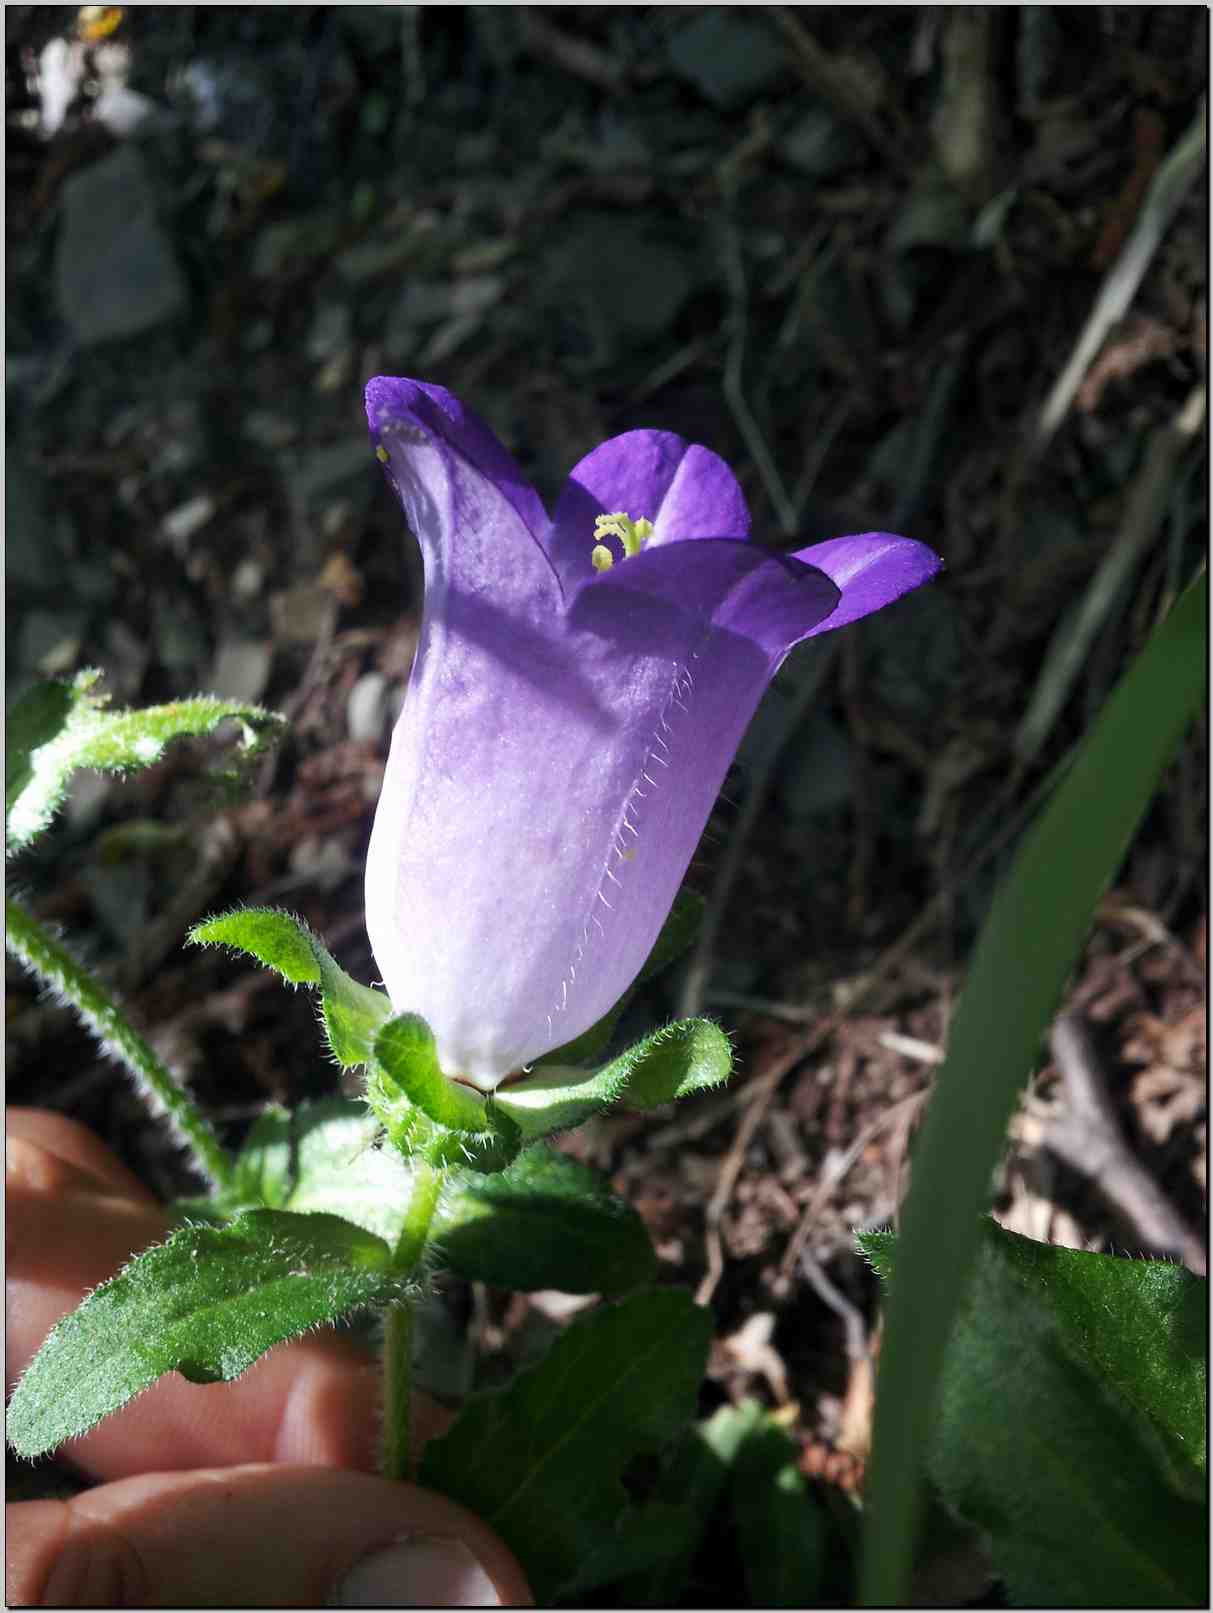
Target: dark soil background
851,249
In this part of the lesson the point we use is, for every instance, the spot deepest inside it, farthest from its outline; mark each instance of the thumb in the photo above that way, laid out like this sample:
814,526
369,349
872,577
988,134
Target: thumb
263,1535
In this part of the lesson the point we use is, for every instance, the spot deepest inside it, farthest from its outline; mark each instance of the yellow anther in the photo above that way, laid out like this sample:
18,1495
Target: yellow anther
382,455
631,534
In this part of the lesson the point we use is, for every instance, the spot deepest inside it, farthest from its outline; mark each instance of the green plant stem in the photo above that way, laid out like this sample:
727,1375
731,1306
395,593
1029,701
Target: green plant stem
71,983
398,1325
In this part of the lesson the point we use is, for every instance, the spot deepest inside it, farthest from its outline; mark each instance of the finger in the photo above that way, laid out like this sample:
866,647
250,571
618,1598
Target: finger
257,1536
74,1144
313,1401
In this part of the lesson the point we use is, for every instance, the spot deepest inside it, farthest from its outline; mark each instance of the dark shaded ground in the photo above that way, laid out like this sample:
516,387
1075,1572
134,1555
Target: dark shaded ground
851,249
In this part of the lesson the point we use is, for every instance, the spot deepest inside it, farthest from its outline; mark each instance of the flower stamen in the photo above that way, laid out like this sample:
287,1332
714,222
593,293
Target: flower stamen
631,534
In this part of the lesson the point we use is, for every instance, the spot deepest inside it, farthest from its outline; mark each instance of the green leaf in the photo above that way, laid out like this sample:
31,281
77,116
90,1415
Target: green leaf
1071,1423
33,721
1028,945
780,1527
554,1099
691,1055
546,1222
428,1114
405,1053
353,1013
687,1056
58,728
542,1460
695,1474
278,940
644,1540
340,1170
207,1304
322,1158
265,1166
677,933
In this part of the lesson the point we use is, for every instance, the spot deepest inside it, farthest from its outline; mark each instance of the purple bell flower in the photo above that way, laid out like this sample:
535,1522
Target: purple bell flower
580,689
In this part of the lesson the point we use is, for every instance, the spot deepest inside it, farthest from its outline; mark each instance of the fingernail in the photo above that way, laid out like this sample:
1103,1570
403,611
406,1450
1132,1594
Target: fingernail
417,1571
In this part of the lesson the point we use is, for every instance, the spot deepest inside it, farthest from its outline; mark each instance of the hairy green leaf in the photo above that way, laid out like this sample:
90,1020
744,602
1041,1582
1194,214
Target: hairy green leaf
541,1461
58,728
546,1222
278,940
687,1056
1071,1422
207,1304
405,1052
353,1013
691,1055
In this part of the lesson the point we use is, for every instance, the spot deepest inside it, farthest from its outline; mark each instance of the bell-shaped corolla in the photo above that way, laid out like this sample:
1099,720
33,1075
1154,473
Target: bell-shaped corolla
580,688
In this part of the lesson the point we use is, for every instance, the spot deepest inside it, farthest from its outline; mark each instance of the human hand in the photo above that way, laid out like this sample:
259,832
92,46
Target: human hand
257,1493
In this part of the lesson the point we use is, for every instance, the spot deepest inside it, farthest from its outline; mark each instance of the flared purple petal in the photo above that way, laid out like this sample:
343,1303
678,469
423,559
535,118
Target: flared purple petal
871,569
771,600
394,403
686,492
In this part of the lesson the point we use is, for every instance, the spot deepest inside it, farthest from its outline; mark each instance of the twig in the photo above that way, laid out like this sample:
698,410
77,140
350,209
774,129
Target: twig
848,1312
839,87
1170,186
1144,511
1089,1139
835,1173
759,1095
911,1047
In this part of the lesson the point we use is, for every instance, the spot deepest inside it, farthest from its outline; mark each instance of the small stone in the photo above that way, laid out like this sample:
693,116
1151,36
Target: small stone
180,525
241,669
366,708
247,579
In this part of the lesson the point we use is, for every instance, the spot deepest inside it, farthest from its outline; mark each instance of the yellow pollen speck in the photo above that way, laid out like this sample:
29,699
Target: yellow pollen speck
381,454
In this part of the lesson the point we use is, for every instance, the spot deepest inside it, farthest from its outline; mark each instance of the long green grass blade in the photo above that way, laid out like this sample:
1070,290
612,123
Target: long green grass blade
1029,944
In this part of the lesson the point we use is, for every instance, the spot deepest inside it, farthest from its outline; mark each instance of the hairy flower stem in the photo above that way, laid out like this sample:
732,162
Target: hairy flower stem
70,982
398,1326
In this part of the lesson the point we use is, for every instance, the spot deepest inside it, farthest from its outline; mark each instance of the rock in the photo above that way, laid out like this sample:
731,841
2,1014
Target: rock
241,669
115,271
729,57
180,525
366,708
